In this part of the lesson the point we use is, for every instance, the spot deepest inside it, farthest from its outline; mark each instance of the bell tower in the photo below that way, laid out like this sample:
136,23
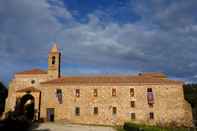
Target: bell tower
54,60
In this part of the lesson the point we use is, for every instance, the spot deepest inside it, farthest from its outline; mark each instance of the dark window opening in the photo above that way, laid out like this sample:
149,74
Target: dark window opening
132,92
113,92
77,92
133,116
95,93
132,104
33,81
59,96
114,110
150,105
149,90
77,111
95,110
53,60
151,115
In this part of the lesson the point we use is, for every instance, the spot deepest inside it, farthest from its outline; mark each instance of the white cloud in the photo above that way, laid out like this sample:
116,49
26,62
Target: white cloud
160,41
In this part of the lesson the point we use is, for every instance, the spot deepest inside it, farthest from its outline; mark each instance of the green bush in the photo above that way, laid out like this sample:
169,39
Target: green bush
130,127
136,127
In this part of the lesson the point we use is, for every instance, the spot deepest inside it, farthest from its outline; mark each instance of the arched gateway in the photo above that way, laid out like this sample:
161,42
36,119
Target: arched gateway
28,103
26,106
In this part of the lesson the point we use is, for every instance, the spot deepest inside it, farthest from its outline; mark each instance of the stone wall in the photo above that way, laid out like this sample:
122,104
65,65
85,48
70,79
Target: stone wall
169,108
22,82
169,104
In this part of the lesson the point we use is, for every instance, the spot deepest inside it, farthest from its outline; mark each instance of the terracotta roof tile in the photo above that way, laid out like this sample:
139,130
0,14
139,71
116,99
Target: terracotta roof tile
111,79
32,72
153,74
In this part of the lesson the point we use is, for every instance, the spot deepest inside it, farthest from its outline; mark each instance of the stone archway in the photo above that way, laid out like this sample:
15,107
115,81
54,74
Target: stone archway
26,106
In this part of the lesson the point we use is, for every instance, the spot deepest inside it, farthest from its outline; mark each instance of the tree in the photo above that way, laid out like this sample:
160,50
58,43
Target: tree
190,93
3,96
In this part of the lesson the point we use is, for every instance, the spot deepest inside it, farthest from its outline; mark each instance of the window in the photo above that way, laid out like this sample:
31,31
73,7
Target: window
53,60
59,91
132,92
149,90
77,111
150,105
132,116
59,95
95,110
150,97
151,115
33,81
77,92
113,92
114,110
95,93
132,104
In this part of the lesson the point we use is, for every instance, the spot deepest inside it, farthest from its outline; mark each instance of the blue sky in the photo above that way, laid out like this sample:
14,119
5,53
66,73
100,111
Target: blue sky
100,36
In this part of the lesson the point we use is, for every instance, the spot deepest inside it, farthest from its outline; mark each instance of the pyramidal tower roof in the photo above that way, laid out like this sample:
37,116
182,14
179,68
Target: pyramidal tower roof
55,48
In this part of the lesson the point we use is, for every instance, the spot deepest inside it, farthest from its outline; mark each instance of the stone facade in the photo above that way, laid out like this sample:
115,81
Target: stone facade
104,100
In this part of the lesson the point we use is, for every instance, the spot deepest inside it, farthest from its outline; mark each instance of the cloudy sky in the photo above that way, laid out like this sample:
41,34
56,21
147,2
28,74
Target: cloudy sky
100,36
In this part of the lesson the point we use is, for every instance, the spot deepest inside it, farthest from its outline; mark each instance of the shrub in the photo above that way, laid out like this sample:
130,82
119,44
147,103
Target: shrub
136,127
130,127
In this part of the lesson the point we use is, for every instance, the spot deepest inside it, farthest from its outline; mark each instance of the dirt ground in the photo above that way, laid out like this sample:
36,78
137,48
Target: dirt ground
69,127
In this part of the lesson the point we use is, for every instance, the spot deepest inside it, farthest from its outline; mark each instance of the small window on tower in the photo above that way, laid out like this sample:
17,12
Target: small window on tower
53,60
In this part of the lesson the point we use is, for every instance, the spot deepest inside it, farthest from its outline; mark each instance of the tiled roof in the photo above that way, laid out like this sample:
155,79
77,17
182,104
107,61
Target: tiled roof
148,79
153,74
32,72
31,88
